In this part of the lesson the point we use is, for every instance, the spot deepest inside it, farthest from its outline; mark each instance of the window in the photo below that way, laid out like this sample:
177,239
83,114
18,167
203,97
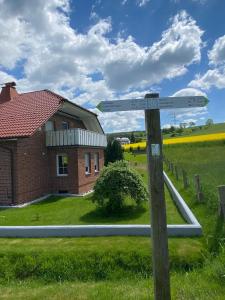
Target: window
96,162
62,164
87,158
65,125
49,126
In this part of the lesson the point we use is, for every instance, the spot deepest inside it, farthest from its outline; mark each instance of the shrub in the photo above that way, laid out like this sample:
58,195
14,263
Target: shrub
113,152
115,183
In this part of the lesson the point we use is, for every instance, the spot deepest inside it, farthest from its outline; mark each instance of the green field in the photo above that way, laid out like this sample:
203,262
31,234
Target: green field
120,267
200,130
190,131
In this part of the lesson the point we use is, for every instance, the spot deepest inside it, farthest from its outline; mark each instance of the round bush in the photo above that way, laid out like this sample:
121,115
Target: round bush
115,183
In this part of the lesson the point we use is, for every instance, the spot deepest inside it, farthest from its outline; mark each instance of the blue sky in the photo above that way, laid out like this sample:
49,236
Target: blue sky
97,50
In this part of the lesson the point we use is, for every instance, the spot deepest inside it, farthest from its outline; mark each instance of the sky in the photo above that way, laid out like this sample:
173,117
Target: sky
94,50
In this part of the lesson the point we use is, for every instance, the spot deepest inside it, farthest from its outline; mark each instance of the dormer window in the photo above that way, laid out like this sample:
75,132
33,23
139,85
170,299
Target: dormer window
65,125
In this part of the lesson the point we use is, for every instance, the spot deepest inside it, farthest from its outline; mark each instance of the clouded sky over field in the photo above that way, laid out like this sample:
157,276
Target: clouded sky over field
97,50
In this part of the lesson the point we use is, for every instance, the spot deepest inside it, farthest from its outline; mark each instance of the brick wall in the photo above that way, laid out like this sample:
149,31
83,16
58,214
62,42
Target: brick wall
67,183
7,164
5,177
77,182
86,182
32,168
73,123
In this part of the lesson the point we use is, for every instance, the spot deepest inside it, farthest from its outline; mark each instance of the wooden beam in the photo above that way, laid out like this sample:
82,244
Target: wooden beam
160,254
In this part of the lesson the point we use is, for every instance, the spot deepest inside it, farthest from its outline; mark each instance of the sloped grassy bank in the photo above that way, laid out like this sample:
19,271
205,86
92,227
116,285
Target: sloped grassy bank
207,282
110,258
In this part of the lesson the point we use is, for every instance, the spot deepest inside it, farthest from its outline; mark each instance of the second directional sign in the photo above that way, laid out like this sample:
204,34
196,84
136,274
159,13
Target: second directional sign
147,103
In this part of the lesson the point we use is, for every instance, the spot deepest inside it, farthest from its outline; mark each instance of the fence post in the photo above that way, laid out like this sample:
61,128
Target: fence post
171,167
198,189
221,190
185,180
176,173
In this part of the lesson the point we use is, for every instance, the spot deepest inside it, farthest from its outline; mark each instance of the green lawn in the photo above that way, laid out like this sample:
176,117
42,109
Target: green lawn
120,267
76,211
81,210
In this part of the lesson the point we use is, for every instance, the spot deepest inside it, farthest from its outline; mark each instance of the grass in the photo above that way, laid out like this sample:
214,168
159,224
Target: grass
207,160
203,284
120,267
81,210
77,211
200,130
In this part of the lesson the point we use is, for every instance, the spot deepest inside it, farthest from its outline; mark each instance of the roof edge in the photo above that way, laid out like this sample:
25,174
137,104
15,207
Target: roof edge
66,100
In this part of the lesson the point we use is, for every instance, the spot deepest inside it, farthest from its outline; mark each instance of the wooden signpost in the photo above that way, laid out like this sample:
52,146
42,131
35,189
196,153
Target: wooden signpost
152,105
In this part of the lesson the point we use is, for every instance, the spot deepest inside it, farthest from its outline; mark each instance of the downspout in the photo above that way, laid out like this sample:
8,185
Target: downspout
12,172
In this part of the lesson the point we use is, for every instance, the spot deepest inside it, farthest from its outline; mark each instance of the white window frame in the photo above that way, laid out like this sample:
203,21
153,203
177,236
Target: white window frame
57,164
87,171
96,162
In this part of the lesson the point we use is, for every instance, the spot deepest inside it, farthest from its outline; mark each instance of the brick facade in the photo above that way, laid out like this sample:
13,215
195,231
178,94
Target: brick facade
73,123
6,176
34,167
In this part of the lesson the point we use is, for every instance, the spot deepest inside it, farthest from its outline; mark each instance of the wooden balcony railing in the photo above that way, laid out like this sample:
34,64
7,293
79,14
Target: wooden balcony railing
75,136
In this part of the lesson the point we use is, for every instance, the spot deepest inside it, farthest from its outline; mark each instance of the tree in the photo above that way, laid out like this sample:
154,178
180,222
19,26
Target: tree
209,122
116,182
191,124
113,152
132,138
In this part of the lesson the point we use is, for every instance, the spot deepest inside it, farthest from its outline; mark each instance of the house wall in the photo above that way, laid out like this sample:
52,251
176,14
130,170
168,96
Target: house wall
73,123
69,183
86,182
77,182
7,170
34,166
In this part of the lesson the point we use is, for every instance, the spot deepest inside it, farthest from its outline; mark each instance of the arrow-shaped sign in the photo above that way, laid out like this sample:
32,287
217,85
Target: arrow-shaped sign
150,103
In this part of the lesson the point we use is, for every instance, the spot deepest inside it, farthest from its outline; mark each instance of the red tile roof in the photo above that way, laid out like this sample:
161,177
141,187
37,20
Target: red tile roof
25,113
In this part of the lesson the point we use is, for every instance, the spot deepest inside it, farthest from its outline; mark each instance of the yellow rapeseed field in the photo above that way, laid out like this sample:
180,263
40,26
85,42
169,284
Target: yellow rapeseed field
180,140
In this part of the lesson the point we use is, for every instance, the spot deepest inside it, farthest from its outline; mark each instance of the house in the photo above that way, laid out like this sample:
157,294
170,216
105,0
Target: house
123,140
48,145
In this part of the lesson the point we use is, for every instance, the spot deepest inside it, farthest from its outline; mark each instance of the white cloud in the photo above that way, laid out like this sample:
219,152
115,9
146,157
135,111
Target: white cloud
131,65
54,55
187,114
189,92
121,121
217,53
202,2
212,78
141,3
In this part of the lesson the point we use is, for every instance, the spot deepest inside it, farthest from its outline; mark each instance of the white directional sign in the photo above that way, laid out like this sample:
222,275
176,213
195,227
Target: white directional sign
150,103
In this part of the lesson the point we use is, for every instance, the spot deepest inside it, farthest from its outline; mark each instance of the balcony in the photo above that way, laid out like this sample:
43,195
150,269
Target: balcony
75,137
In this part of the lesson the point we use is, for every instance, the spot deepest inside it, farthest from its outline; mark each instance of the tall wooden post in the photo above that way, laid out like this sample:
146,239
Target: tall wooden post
221,190
160,251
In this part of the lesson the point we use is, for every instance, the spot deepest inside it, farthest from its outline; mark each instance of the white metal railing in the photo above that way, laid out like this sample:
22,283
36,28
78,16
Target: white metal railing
75,136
